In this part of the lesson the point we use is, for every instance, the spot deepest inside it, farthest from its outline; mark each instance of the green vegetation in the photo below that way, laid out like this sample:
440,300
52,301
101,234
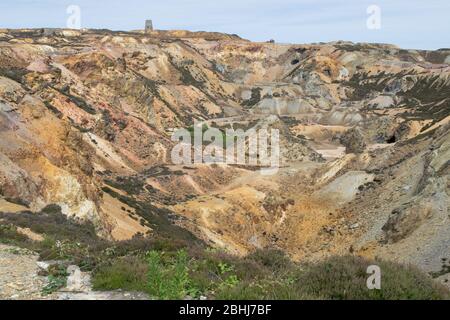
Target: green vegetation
364,84
437,56
54,284
159,220
132,185
226,139
53,109
168,278
444,270
9,234
356,47
168,266
57,279
191,130
79,102
14,73
345,278
263,275
254,99
128,273
79,244
428,99
166,275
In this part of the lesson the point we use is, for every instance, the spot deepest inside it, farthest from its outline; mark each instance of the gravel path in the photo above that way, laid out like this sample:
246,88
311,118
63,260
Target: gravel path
19,278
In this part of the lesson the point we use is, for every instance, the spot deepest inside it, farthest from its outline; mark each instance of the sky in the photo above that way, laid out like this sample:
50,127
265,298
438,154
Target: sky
412,24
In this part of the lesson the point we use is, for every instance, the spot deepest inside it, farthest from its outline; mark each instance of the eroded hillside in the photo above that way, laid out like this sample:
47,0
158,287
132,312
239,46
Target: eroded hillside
86,120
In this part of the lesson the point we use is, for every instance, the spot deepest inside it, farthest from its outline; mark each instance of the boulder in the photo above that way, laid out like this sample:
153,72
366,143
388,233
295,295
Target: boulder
77,281
405,220
353,140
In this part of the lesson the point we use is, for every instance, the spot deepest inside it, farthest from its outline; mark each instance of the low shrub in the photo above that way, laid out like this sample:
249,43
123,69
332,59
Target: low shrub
167,267
127,273
168,277
344,278
57,279
10,235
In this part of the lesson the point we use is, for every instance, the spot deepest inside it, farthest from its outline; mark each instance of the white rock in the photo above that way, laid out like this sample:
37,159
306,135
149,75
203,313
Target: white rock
381,102
6,107
77,281
354,226
43,265
447,60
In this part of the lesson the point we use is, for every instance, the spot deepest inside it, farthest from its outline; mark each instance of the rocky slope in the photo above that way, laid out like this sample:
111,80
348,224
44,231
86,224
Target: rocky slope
86,119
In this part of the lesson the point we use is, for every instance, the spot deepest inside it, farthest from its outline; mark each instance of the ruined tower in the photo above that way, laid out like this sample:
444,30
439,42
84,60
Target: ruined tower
148,25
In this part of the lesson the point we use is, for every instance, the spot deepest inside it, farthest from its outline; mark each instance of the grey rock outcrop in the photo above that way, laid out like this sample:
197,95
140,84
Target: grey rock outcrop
354,141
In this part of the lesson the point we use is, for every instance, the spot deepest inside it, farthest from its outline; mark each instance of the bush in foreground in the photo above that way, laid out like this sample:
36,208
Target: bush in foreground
217,276
167,267
345,278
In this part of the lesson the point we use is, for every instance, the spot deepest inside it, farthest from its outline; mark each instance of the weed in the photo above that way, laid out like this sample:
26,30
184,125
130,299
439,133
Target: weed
127,273
54,284
169,278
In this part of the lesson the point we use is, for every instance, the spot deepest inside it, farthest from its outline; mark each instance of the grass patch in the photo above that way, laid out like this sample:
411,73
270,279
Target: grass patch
10,235
172,266
344,278
168,277
127,273
264,275
132,185
364,84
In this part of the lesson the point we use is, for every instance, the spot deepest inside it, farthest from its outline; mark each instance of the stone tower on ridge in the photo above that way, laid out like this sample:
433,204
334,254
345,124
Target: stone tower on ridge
148,25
